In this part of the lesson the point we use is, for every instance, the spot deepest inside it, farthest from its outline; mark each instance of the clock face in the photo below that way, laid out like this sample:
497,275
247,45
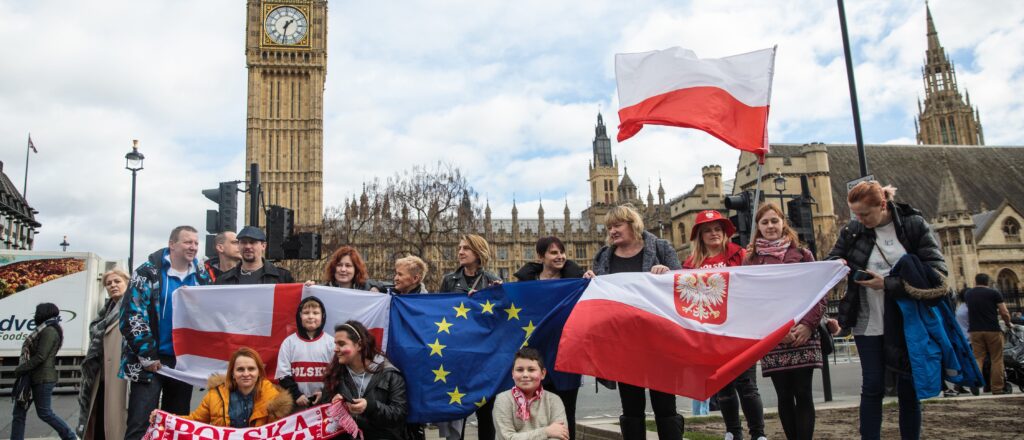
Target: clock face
286,25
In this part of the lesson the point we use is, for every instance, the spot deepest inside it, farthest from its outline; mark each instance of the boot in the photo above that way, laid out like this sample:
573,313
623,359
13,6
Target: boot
633,428
670,428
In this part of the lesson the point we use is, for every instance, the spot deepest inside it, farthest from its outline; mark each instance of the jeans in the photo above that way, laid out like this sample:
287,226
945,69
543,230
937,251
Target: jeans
700,407
796,402
144,397
872,365
41,394
745,385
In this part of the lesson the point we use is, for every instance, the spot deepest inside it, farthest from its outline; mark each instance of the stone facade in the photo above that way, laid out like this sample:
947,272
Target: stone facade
512,239
945,119
18,223
284,117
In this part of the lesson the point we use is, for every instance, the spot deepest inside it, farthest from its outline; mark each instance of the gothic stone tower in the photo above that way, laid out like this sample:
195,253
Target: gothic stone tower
945,119
604,174
286,54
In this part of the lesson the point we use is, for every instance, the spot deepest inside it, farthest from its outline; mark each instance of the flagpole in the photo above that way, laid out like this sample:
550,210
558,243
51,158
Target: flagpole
24,185
757,195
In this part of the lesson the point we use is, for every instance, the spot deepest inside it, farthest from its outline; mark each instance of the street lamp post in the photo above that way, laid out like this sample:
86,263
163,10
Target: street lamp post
133,162
780,186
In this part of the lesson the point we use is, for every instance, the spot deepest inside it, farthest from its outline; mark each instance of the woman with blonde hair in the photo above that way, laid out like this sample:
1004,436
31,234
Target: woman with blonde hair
790,364
632,249
473,255
243,398
101,397
409,274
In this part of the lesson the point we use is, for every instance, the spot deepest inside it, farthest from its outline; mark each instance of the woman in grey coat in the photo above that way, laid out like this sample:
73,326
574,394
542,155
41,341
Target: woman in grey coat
632,249
101,398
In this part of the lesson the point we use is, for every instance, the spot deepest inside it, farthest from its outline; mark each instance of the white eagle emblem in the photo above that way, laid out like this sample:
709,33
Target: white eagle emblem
702,296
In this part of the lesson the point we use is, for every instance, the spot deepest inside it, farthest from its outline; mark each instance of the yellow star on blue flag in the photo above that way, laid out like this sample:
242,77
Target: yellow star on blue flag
477,351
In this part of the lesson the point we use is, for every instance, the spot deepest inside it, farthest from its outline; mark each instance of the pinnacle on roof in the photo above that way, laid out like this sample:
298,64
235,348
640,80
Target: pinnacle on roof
951,201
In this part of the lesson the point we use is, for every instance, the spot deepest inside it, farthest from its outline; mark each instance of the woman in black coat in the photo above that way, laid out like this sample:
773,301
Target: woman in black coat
882,232
373,388
551,264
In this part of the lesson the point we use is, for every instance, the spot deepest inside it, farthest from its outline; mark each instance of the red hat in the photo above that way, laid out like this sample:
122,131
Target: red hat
712,216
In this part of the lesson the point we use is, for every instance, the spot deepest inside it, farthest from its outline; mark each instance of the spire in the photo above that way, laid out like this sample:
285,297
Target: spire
487,209
933,35
602,145
950,199
540,208
515,211
566,211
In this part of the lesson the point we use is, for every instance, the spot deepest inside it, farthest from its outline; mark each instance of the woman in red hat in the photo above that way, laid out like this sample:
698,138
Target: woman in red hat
709,240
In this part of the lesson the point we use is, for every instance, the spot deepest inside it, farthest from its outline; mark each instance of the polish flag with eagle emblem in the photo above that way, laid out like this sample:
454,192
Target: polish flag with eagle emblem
689,332
211,322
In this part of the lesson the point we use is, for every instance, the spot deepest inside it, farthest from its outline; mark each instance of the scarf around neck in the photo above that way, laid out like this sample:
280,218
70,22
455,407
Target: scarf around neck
30,341
523,403
774,248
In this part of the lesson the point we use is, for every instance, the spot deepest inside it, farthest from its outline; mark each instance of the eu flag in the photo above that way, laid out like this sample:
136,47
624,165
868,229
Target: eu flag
456,351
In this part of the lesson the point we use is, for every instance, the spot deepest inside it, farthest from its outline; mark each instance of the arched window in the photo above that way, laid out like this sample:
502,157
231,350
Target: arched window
1007,281
1011,230
682,232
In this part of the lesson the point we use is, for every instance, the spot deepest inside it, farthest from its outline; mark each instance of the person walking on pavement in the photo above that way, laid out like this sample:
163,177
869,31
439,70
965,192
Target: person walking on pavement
983,305
36,374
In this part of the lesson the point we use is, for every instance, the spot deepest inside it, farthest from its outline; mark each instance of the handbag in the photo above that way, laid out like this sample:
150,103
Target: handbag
21,394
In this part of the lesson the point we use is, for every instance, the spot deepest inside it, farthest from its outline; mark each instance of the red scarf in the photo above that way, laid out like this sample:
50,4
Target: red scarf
774,248
523,404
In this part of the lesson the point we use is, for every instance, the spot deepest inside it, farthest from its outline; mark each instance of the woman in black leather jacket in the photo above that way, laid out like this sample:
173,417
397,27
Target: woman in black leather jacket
882,232
373,388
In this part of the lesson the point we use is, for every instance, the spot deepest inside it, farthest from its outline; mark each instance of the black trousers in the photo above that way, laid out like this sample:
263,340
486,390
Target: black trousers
796,402
634,403
745,386
168,394
569,400
485,421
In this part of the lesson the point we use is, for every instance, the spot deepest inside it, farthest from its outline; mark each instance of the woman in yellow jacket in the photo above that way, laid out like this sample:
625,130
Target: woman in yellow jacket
244,398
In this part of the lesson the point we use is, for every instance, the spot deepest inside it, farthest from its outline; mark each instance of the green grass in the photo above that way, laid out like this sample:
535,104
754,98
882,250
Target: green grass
701,436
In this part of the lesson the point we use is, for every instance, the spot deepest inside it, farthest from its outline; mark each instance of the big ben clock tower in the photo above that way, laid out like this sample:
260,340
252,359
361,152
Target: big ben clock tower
286,54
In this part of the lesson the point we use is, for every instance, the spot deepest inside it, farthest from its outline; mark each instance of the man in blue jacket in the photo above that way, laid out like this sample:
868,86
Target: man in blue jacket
146,324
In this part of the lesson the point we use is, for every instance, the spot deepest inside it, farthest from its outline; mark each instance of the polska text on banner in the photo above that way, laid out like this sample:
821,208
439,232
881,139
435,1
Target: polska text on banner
319,422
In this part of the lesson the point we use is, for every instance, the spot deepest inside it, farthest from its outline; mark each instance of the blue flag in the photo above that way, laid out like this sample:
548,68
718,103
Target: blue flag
456,351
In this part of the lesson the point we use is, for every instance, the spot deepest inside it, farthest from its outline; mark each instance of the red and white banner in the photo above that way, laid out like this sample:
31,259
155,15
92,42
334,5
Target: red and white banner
211,322
725,97
319,422
689,332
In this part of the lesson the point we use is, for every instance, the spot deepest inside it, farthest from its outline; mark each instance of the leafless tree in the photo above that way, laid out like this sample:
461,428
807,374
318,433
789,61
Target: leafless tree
420,211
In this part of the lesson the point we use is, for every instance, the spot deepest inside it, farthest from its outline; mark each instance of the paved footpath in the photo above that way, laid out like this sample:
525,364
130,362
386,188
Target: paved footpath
597,411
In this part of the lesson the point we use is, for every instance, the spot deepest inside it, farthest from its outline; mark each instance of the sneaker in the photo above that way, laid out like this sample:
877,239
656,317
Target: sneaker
728,436
976,391
762,438
950,393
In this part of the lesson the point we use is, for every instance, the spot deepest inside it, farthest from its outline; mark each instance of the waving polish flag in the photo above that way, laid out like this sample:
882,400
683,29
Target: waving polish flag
726,97
211,322
689,332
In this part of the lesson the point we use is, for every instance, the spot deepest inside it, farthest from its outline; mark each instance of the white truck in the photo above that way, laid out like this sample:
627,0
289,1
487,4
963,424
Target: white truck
71,280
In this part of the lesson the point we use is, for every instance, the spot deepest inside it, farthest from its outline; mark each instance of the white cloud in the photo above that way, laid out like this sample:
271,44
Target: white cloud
506,91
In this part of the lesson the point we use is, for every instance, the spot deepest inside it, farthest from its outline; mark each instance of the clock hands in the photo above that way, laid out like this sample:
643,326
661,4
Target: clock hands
286,24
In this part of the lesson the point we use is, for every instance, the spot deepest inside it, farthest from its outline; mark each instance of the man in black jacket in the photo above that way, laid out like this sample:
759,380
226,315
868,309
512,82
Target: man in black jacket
254,269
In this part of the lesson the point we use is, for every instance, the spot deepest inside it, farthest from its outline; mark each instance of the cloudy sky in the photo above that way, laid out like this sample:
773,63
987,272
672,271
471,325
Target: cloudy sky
508,91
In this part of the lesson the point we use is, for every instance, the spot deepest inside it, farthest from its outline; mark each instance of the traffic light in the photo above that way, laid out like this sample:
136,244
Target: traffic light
801,216
225,217
280,228
743,204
